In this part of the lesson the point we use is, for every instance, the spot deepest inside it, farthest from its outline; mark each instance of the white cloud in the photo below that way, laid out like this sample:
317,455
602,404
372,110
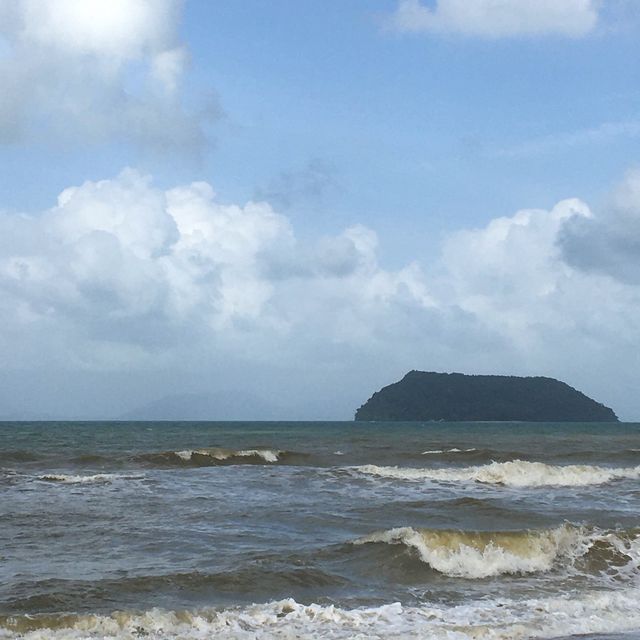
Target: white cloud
122,250
118,29
116,254
168,66
511,273
497,18
92,70
561,315
610,243
122,276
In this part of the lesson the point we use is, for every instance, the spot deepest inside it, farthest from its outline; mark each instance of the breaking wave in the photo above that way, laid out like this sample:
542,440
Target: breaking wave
515,473
452,450
98,478
474,555
211,456
593,612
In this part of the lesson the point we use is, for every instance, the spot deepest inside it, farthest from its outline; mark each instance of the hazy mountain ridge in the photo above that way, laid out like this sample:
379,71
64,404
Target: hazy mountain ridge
229,405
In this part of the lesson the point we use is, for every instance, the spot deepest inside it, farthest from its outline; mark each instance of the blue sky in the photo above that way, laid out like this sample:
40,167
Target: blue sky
416,123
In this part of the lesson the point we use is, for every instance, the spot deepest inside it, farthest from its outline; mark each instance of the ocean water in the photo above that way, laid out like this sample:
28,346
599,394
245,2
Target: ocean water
319,530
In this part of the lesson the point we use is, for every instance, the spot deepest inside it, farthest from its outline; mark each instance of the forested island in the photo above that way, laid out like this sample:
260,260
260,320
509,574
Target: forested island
426,396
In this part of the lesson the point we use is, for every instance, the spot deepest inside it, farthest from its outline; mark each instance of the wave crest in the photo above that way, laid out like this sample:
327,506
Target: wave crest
465,554
515,473
211,456
98,478
221,455
451,450
592,612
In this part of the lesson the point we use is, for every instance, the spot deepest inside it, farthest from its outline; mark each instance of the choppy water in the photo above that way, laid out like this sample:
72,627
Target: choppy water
319,530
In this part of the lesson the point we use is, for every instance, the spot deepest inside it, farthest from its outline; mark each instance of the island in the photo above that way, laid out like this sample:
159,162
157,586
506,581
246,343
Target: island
457,397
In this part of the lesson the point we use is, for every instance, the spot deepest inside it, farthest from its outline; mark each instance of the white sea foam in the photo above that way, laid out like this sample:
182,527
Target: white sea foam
97,478
482,554
268,455
515,473
593,612
453,450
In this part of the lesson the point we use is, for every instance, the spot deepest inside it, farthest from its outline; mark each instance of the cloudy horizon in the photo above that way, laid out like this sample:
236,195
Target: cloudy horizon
225,200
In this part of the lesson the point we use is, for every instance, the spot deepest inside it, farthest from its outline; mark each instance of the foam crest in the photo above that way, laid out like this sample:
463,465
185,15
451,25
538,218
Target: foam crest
211,456
515,473
483,554
268,455
98,478
592,612
452,450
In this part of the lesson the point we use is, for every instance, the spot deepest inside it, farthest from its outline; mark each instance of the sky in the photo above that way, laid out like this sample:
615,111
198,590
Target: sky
276,208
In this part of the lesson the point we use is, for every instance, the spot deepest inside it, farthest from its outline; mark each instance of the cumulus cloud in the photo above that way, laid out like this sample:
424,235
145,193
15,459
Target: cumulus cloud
122,251
121,275
92,70
610,243
510,275
538,279
497,19
120,261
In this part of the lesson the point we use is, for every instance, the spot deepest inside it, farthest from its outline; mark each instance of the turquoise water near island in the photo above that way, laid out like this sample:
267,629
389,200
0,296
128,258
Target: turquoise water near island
319,530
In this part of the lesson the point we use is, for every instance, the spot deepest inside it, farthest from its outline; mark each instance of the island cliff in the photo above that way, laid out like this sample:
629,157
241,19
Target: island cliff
424,396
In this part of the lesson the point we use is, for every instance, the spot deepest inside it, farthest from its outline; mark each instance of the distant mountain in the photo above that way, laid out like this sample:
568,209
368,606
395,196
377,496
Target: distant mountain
15,415
231,405
424,396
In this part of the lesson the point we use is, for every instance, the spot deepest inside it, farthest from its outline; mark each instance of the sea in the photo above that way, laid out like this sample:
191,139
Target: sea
259,530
